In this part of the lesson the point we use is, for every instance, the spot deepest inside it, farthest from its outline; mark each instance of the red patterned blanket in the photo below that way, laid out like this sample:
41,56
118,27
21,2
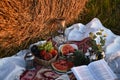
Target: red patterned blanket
42,73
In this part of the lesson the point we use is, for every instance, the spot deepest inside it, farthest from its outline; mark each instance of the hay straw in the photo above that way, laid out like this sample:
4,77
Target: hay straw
23,22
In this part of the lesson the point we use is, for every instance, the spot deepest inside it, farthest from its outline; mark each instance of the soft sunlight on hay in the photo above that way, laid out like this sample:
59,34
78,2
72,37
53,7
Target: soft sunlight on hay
23,22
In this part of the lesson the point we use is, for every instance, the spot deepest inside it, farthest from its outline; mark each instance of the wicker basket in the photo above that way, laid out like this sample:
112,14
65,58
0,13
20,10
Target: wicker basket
45,62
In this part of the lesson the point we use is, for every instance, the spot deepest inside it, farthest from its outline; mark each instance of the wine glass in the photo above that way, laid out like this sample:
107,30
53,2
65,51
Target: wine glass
60,39
61,25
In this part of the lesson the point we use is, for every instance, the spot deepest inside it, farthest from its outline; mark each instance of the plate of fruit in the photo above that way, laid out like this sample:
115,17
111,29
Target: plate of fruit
66,49
45,53
62,66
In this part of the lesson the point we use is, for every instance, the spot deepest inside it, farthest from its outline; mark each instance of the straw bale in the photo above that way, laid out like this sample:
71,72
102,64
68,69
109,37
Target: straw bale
23,22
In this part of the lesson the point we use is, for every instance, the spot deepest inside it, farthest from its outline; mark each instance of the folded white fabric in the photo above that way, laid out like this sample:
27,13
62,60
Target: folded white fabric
15,74
114,47
12,67
78,32
95,25
75,32
114,62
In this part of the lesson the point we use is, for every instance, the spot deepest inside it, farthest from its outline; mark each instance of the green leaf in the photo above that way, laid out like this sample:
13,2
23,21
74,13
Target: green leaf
80,58
94,36
102,41
99,33
91,35
101,30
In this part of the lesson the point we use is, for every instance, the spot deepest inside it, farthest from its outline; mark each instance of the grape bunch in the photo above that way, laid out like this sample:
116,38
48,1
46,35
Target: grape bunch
46,46
35,50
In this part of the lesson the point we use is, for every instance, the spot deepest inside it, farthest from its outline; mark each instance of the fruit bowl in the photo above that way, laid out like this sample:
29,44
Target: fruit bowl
44,52
45,62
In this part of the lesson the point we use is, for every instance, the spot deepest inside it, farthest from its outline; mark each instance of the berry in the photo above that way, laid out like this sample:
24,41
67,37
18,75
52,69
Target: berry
35,50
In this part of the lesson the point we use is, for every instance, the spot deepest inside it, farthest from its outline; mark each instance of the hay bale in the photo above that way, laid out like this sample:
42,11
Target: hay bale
23,22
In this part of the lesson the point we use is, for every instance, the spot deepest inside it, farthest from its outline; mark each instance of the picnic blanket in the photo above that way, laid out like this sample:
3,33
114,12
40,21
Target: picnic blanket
12,67
45,73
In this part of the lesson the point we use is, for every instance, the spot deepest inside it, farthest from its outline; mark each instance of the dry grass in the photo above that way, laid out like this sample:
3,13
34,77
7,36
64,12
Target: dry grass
23,22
